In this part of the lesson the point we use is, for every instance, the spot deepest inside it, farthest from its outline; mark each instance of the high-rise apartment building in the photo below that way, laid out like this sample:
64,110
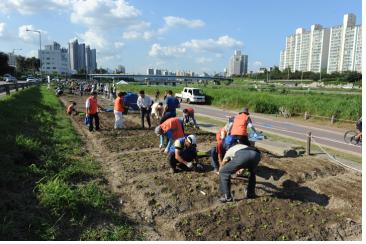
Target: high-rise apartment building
73,56
238,64
318,51
54,59
82,57
333,50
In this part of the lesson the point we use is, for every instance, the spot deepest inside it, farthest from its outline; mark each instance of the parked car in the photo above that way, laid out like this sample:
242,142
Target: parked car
32,79
9,78
191,95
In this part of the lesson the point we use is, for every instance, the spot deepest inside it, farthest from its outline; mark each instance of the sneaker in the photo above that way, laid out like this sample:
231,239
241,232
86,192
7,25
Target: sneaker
172,171
224,199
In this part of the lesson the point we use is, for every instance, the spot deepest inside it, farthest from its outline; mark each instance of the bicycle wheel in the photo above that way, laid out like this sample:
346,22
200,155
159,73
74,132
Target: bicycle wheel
349,137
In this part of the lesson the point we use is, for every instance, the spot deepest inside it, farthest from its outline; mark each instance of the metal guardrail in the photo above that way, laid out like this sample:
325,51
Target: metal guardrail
6,87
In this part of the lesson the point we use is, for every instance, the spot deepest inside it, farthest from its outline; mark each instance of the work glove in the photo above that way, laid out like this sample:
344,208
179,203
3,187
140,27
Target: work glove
189,165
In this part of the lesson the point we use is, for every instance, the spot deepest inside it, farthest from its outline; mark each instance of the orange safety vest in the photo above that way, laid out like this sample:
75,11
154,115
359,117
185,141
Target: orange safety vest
118,104
240,125
70,108
93,109
175,125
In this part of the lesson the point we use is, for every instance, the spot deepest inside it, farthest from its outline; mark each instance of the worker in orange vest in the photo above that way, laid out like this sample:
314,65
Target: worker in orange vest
188,114
92,111
173,129
119,108
240,126
71,108
218,151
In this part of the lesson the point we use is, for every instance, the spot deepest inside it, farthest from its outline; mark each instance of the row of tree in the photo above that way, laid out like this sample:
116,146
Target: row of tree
286,74
23,65
4,66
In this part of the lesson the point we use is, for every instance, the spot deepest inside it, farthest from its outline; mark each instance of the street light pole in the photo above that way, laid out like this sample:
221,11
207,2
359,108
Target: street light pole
40,48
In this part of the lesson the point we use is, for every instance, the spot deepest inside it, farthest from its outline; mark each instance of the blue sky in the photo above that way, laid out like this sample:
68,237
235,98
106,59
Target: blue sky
197,35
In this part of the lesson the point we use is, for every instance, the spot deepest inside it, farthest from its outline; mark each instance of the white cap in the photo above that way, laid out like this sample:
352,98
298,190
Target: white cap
192,139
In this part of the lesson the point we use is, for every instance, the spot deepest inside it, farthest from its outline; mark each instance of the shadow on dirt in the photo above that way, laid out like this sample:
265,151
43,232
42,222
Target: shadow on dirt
267,172
293,191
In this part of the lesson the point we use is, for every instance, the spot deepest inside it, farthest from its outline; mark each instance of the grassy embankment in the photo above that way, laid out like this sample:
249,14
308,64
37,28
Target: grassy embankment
343,106
51,189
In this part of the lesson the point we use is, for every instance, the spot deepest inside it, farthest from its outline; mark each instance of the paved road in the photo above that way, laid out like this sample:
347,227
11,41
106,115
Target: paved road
323,135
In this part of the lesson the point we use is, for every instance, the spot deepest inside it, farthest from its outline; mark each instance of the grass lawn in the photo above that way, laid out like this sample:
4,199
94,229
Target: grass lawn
51,188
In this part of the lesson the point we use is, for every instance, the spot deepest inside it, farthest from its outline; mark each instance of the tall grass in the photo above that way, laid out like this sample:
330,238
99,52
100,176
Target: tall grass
51,189
343,106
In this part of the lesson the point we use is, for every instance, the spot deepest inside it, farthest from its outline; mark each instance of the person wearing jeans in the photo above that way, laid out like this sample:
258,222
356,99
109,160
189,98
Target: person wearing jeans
144,103
238,157
91,105
171,103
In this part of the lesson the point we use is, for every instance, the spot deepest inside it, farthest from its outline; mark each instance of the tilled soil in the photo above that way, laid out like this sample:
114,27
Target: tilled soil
303,198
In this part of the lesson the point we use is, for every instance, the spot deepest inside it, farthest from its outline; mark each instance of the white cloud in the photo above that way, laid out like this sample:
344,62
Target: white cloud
198,46
104,14
204,60
173,21
159,51
29,7
128,35
118,44
94,39
213,45
2,28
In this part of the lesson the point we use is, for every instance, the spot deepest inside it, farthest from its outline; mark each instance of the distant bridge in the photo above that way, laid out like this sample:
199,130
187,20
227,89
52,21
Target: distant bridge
157,78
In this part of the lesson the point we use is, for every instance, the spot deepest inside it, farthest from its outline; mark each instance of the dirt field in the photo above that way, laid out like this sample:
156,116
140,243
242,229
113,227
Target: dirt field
303,198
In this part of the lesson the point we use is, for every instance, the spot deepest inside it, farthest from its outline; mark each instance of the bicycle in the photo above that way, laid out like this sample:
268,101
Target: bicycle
349,137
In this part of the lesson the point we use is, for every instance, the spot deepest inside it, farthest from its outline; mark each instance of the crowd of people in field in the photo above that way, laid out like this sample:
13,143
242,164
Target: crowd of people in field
232,154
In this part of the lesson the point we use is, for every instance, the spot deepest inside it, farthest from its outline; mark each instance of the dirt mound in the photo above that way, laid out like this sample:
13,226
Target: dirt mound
299,198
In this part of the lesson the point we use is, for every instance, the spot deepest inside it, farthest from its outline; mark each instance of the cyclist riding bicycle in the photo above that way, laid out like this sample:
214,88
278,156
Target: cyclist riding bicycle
358,137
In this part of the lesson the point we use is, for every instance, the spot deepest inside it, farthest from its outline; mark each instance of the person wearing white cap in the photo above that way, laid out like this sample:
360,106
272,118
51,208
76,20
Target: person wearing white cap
183,153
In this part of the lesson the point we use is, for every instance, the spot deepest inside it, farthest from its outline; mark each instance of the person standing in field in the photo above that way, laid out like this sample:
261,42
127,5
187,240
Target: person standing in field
239,129
144,103
171,129
92,106
119,108
171,103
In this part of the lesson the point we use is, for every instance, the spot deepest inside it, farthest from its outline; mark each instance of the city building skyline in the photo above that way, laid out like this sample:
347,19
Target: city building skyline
166,34
334,49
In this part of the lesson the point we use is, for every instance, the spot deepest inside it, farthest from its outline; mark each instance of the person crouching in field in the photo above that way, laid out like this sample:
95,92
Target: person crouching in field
71,108
119,109
172,129
238,157
182,154
188,115
157,110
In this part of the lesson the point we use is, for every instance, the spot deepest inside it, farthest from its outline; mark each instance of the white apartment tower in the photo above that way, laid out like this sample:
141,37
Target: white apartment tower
238,64
318,51
335,50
